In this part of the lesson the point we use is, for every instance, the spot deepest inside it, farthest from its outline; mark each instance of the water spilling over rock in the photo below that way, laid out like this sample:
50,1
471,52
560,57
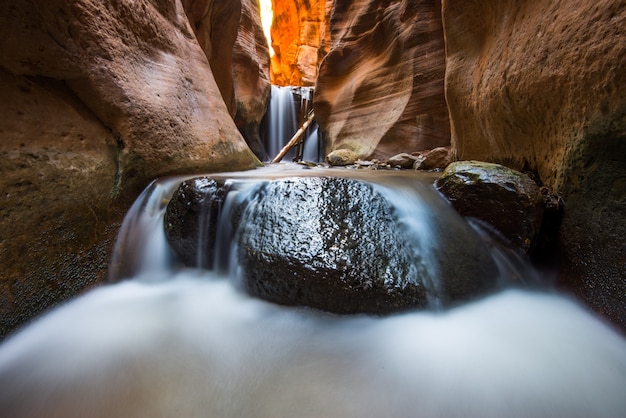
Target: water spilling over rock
338,244
174,341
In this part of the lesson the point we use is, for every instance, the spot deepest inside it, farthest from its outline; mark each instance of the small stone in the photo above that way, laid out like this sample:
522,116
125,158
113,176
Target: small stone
403,160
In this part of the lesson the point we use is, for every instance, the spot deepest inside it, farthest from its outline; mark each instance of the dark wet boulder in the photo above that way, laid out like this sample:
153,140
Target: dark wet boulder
505,199
339,245
191,218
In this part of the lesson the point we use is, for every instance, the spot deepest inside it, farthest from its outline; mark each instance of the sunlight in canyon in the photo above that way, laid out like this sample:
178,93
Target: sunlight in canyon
265,6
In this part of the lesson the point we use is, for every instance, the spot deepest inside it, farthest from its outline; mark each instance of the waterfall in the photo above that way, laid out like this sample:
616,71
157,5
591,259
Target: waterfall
165,340
288,109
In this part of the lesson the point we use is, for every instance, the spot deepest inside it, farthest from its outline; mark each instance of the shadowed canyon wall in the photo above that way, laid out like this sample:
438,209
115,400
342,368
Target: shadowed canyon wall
231,36
98,98
251,75
542,86
380,89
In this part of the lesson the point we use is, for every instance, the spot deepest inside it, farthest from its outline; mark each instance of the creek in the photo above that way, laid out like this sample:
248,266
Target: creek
163,340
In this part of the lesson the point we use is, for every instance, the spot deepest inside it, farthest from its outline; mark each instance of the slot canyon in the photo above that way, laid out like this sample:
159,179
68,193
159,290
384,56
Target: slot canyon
100,98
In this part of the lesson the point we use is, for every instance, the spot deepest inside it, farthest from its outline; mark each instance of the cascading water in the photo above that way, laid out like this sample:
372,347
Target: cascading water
288,108
169,341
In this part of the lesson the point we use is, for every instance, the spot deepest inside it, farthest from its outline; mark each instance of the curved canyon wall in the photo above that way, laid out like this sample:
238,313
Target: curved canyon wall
231,36
380,89
541,86
98,98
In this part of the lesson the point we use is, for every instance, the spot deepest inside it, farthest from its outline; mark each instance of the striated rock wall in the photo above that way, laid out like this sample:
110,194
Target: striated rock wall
216,24
541,86
297,30
98,98
251,76
231,36
380,89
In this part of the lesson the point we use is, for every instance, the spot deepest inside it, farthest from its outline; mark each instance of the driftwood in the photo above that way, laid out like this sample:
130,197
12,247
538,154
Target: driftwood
294,139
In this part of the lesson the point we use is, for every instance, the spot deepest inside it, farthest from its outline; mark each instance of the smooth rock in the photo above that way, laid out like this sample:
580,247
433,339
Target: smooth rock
380,89
541,87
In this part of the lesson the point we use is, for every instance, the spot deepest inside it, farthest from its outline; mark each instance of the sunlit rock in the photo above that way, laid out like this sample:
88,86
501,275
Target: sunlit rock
541,86
297,30
380,89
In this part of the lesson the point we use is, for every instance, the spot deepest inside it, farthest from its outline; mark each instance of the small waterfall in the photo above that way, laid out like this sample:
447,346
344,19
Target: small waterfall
171,341
288,109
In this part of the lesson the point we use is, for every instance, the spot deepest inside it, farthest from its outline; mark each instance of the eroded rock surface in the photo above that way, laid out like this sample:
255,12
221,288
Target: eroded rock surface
297,30
380,89
541,86
251,76
231,36
99,98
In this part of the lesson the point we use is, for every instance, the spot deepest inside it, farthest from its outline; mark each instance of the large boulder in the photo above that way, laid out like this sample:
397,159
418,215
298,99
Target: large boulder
339,245
508,201
541,86
380,89
99,98
336,244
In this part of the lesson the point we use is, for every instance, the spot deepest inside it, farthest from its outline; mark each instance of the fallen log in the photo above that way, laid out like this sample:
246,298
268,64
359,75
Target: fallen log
295,138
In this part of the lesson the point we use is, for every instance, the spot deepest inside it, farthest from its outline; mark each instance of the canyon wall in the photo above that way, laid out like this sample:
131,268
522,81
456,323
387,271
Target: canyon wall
541,86
98,98
251,76
297,30
231,35
380,89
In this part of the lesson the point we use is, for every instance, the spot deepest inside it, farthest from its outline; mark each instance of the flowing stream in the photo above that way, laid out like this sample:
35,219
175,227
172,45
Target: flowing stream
168,341
288,109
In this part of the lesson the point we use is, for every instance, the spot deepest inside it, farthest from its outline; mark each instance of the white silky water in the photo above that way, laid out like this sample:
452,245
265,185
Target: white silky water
287,109
174,342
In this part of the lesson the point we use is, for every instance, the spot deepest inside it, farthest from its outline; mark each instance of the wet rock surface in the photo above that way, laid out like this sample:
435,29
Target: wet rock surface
191,220
506,199
336,244
331,244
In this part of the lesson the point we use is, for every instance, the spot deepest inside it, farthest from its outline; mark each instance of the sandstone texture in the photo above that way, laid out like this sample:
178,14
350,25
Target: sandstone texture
98,99
541,86
215,24
251,76
297,30
380,89
231,36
